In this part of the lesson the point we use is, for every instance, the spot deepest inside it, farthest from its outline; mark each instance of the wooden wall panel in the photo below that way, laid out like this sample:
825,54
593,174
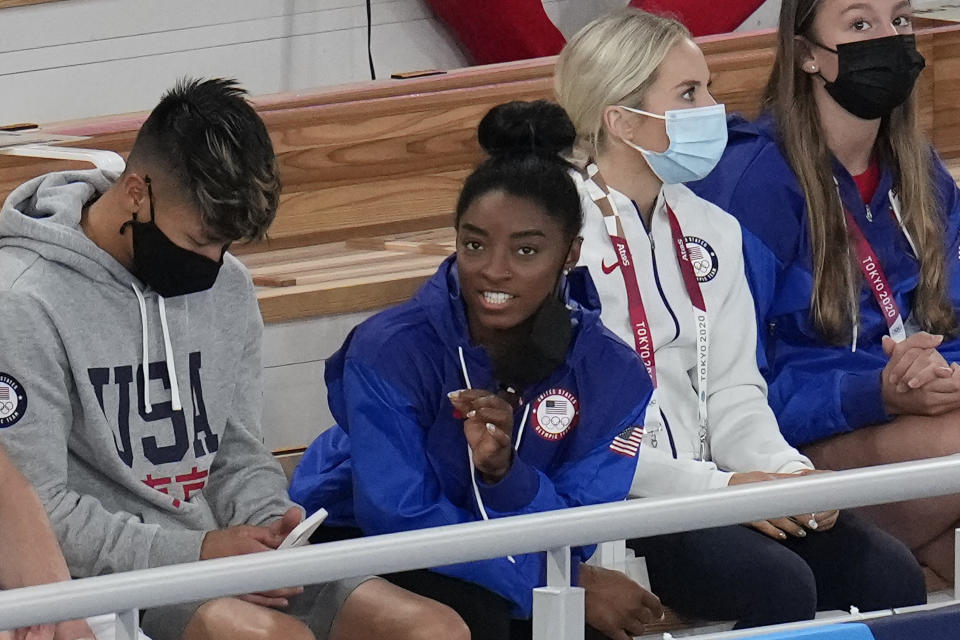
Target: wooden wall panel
389,156
946,91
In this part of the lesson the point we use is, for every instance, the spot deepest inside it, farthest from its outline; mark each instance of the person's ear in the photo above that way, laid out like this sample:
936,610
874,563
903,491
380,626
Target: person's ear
805,58
573,256
617,123
133,192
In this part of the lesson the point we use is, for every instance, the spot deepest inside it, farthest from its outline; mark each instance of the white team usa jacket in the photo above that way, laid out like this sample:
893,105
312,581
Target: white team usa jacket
742,432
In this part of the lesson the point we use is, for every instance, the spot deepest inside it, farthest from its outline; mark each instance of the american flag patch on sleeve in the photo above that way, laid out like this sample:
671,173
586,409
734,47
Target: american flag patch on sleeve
627,443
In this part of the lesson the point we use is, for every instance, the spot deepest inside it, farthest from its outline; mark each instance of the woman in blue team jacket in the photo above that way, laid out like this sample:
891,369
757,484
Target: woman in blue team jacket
495,391
850,230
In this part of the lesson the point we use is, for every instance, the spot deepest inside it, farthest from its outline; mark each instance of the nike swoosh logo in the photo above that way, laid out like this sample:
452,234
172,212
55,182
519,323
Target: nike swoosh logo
608,270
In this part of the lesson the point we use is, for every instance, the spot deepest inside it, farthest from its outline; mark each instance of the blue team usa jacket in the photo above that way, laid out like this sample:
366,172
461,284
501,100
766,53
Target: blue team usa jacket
818,390
397,458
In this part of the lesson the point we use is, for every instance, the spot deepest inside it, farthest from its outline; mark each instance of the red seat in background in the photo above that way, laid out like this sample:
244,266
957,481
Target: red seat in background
505,30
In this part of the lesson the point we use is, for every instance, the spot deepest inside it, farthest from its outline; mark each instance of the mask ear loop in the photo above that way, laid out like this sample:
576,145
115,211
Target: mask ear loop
123,227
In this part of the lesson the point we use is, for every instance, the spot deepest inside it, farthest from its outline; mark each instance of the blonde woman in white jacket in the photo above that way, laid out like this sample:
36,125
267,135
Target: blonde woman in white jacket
669,269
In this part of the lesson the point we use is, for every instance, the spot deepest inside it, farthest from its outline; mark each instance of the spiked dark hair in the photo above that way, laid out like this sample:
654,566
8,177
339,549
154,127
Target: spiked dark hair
210,142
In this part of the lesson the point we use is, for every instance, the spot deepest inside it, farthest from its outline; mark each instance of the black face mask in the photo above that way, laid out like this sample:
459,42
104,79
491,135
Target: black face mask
168,269
543,351
875,76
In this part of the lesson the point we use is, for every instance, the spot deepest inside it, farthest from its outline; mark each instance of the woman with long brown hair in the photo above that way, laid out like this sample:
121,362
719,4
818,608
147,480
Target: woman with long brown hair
851,238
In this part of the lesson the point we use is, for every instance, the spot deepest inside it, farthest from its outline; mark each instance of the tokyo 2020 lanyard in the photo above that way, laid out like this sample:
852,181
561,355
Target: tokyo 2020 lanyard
873,273
643,340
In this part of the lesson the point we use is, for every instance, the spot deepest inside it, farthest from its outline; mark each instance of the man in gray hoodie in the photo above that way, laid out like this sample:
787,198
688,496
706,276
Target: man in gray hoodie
130,373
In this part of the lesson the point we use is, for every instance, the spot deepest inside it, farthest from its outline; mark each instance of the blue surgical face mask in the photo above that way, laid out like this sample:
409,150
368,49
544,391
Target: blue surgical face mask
697,136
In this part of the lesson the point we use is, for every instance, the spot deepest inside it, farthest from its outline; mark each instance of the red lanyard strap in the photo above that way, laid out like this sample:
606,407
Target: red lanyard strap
870,267
643,339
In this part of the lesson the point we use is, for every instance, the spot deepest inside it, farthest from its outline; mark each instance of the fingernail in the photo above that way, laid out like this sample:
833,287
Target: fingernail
913,384
802,533
472,413
491,428
453,395
782,535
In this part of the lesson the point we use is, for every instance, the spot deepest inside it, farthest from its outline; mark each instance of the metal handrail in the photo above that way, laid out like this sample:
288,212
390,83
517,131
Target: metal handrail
478,540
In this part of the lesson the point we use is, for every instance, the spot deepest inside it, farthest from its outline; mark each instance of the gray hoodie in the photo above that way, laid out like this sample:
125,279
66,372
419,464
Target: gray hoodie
132,474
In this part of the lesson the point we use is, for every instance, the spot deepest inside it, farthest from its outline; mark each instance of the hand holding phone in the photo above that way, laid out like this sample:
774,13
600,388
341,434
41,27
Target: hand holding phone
302,532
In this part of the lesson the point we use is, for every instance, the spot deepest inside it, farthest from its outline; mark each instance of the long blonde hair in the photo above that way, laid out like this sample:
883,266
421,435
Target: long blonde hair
836,282
613,60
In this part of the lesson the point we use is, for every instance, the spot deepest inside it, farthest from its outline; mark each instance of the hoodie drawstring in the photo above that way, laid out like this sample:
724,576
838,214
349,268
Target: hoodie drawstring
473,467
523,422
146,341
168,351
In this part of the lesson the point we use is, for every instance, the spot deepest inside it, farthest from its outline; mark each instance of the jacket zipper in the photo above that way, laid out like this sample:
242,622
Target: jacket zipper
666,303
771,349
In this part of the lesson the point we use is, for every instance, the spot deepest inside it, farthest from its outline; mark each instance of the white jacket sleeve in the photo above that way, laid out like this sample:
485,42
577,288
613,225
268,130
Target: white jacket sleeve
659,474
743,433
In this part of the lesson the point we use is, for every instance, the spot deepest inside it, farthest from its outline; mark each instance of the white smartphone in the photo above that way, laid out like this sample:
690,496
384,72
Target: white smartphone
302,532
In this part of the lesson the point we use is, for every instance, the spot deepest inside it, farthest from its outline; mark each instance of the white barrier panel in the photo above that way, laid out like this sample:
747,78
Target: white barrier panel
107,161
476,541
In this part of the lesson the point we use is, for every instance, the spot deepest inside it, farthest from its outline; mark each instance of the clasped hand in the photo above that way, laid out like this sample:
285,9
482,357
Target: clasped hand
795,526
917,379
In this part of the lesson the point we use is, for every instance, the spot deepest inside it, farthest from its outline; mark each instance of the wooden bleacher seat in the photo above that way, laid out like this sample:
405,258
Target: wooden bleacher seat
359,273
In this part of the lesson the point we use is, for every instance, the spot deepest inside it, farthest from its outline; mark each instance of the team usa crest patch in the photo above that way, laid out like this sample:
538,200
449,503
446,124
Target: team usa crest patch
13,401
702,257
555,413
627,443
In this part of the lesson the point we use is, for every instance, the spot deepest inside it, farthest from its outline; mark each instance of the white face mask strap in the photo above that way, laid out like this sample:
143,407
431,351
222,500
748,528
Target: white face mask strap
895,205
642,112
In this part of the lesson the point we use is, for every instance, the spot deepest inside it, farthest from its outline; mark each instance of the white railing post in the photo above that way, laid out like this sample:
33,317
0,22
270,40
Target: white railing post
558,607
128,625
956,564
611,555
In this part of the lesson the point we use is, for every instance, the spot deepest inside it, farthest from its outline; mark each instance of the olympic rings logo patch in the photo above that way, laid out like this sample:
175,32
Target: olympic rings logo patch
555,412
703,258
13,401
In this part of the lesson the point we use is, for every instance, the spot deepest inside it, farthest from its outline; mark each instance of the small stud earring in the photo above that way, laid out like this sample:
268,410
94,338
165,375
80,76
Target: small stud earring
813,68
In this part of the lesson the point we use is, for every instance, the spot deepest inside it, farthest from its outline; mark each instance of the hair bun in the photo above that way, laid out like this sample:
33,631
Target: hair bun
519,127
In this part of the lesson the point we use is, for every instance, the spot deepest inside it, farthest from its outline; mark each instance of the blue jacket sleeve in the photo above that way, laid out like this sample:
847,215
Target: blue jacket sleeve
386,434
950,197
